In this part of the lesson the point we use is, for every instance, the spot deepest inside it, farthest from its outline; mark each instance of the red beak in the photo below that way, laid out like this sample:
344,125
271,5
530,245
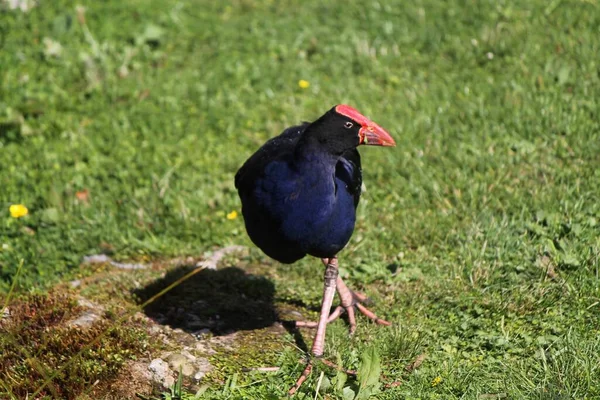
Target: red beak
374,135
370,133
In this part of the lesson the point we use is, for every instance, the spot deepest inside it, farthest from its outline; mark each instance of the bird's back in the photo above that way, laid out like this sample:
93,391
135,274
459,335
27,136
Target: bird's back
274,148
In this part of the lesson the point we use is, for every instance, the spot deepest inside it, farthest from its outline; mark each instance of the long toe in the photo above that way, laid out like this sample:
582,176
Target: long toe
350,300
371,315
301,379
350,310
362,298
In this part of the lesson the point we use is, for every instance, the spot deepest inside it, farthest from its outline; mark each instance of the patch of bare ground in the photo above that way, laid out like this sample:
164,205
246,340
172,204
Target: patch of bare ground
151,323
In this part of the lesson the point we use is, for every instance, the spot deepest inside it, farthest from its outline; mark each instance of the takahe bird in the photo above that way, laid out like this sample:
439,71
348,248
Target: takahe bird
299,195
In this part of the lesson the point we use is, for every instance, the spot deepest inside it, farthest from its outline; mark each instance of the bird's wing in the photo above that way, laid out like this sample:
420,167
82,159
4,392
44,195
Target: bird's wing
348,170
273,148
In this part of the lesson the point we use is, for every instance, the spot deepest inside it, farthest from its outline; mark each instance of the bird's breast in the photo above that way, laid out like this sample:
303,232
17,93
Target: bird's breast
296,197
309,207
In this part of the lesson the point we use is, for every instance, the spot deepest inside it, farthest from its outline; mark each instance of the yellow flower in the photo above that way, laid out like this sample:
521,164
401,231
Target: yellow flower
232,215
436,381
18,210
303,84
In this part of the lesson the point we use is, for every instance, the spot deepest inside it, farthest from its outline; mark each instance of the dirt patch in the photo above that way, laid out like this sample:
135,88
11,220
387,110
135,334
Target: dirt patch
42,354
134,379
213,324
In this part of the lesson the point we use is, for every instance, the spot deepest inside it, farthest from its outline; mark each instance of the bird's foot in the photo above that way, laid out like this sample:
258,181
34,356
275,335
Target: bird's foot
349,299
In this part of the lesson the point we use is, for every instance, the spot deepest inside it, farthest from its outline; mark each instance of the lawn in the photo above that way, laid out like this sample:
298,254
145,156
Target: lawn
122,125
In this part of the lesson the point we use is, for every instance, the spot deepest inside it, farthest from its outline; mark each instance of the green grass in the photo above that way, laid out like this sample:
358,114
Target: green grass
478,235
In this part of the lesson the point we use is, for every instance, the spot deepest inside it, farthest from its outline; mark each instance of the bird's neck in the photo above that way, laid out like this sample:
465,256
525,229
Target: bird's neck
312,146
310,151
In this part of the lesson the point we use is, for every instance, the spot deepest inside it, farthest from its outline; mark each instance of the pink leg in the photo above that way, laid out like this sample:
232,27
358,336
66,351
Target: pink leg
331,273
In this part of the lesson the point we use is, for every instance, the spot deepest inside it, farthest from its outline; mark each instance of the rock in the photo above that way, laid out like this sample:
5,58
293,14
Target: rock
93,313
204,366
139,370
181,337
83,302
133,380
175,360
202,332
76,283
211,261
187,370
127,265
199,375
161,373
179,362
85,320
140,316
155,329
188,355
205,348
225,341
96,259
103,258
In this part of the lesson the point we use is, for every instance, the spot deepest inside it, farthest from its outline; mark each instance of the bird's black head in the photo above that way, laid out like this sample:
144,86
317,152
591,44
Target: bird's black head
343,128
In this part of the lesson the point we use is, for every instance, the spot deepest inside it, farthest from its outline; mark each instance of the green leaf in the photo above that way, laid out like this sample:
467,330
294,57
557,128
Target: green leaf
50,215
341,377
563,75
325,385
570,260
152,35
61,24
202,390
348,394
368,373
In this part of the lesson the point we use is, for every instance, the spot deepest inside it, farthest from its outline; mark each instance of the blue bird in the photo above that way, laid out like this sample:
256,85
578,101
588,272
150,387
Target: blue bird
299,194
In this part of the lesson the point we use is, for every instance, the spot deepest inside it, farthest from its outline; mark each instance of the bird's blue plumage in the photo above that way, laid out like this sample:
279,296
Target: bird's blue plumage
299,199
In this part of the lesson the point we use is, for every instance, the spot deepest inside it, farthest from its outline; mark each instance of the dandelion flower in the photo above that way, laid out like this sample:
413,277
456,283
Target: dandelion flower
18,210
232,215
303,84
436,381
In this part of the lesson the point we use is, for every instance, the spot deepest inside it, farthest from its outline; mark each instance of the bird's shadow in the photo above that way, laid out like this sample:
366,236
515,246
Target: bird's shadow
219,301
